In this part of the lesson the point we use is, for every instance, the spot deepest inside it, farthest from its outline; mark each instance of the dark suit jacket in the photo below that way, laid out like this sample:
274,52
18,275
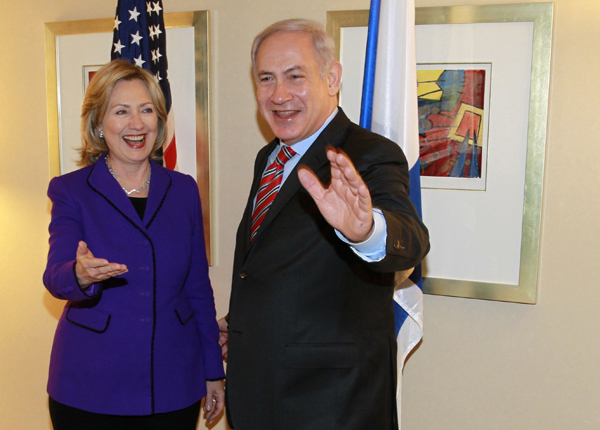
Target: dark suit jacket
146,341
311,325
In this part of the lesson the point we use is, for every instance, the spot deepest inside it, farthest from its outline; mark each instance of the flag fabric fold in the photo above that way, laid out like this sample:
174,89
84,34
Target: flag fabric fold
140,36
394,114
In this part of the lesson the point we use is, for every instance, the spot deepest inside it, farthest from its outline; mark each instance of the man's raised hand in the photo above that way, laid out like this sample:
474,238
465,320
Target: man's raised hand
346,202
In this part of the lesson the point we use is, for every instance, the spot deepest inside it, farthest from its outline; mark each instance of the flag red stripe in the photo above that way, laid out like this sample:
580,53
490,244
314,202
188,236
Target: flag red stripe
170,154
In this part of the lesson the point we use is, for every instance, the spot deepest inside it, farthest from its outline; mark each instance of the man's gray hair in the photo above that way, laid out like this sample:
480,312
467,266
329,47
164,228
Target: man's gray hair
322,42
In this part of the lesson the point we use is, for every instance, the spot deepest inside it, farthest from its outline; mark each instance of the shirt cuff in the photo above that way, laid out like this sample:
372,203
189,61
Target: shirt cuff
372,249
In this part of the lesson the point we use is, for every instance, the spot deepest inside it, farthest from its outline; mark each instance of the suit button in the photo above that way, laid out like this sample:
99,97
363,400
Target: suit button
243,275
398,246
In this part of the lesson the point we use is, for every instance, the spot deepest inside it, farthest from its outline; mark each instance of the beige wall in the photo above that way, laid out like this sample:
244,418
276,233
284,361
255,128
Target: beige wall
482,365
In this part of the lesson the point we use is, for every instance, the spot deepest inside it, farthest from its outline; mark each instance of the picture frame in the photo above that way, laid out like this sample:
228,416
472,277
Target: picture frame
497,265
194,32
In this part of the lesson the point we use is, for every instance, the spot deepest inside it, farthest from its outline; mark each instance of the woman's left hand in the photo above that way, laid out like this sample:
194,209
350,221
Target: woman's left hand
215,399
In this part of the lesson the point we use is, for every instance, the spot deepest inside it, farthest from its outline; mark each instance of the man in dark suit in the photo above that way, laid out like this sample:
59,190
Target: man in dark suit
311,342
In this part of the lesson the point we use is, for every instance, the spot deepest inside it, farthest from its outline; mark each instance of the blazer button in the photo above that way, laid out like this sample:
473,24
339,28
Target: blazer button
398,246
243,275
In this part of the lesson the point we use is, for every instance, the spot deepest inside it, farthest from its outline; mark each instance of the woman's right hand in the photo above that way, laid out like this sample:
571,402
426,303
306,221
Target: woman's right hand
90,269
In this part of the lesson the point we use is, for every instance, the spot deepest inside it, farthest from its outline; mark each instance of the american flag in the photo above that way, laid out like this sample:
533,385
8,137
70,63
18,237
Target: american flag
140,36
389,107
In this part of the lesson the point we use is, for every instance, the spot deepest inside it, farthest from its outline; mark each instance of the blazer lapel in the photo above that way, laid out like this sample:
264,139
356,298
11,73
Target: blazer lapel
102,182
160,182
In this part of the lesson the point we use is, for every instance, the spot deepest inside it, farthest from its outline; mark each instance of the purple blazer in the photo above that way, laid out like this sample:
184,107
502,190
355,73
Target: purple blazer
146,341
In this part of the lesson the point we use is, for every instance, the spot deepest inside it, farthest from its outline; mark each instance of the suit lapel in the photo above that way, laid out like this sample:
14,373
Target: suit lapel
315,158
102,182
160,182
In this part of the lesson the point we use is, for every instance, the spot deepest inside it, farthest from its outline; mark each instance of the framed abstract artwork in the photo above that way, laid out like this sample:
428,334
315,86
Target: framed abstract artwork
483,80
454,106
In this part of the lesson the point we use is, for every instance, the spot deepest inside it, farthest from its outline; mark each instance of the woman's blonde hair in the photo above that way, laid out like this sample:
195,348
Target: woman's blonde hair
95,104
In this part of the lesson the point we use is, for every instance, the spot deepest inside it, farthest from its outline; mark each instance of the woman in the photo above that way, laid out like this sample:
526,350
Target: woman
137,343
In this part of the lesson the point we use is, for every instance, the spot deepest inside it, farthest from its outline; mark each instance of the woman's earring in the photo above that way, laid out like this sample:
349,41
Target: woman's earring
101,133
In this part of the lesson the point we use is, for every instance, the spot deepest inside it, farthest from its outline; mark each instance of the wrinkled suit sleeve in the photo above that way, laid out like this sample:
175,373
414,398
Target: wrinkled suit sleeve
384,169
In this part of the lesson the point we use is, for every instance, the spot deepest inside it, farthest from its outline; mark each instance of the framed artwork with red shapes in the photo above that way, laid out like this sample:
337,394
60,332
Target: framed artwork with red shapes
454,106
483,75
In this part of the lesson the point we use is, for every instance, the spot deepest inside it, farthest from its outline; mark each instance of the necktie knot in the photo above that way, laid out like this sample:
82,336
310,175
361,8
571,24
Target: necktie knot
284,155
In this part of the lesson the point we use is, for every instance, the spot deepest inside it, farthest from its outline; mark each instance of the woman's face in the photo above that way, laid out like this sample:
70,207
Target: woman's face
130,123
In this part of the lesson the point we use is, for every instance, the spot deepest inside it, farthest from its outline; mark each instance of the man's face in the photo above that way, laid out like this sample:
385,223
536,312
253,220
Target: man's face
292,96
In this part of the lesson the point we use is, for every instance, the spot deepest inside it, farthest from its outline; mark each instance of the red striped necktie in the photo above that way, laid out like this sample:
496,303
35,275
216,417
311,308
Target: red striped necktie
269,186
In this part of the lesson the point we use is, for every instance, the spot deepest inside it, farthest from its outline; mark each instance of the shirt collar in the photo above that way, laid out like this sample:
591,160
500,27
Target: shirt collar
301,147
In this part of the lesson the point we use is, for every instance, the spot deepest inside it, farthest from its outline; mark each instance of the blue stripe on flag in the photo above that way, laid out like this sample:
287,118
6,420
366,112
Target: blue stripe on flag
366,105
414,191
400,316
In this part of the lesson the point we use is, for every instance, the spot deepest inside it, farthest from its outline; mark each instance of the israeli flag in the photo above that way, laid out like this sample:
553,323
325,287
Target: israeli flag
389,108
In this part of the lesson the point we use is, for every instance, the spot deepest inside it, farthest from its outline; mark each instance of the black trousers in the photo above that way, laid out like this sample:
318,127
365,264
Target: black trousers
68,418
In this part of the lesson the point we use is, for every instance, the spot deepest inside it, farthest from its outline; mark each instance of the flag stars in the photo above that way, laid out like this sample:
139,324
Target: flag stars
135,38
138,61
149,9
133,14
118,46
117,22
154,31
156,55
157,77
157,8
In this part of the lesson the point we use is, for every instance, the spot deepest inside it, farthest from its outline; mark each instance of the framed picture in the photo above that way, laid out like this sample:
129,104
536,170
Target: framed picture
454,106
76,49
88,74
483,102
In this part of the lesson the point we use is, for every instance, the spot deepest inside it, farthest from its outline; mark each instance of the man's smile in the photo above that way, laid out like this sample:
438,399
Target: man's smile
285,114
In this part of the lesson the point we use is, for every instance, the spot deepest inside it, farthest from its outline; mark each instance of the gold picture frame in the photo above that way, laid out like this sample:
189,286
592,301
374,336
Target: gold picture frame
199,21
541,16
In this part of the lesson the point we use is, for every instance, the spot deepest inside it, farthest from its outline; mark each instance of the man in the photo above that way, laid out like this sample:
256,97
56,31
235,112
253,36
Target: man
311,342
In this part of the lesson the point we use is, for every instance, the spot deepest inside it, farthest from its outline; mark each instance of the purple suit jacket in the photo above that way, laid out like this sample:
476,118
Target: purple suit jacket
146,341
